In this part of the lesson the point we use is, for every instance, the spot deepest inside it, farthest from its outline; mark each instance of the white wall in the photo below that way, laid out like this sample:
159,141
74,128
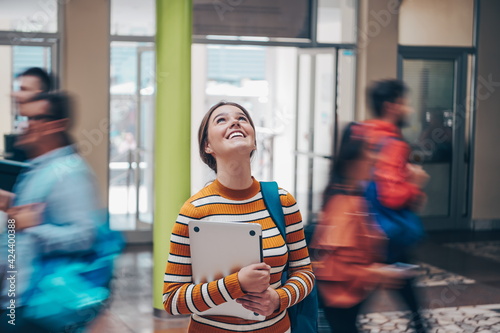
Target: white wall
436,23
200,173
377,47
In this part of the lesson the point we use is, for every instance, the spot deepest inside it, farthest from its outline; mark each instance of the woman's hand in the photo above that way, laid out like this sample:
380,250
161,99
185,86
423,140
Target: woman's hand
255,278
264,303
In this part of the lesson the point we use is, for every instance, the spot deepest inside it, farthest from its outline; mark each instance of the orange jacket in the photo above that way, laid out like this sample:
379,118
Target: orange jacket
390,175
346,243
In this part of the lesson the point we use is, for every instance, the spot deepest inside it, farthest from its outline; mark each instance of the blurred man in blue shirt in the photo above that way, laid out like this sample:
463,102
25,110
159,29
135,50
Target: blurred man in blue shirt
54,206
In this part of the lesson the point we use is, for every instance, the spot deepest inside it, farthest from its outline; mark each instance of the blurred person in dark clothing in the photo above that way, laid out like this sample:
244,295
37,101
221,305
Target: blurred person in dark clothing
53,204
32,81
347,245
398,183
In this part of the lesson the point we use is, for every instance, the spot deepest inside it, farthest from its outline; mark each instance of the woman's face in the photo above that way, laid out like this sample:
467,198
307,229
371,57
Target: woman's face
229,133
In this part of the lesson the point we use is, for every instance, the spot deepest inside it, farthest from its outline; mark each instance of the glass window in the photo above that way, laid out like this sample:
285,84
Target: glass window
336,21
28,16
256,18
133,17
238,74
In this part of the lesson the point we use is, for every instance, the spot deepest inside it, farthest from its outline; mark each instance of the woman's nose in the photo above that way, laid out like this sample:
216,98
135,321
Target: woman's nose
235,122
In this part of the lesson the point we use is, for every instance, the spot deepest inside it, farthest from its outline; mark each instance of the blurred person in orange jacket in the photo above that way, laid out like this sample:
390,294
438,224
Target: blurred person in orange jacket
347,243
398,183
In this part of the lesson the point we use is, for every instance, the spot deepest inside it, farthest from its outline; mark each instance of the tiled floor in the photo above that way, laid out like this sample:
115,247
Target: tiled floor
486,249
458,283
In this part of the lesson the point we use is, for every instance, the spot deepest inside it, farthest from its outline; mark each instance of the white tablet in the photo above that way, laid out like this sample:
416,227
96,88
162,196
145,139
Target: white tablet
219,249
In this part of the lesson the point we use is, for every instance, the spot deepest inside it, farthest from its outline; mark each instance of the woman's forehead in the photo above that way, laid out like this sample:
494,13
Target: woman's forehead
226,110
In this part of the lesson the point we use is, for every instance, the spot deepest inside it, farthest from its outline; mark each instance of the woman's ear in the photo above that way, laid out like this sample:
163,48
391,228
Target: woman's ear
208,150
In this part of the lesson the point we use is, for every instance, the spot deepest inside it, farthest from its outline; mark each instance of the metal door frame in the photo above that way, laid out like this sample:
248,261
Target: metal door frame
313,52
462,151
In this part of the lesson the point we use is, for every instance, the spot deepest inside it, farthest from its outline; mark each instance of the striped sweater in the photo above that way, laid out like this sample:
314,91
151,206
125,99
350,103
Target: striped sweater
218,203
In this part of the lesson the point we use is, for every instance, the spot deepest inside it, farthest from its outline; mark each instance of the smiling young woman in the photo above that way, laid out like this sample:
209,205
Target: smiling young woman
227,142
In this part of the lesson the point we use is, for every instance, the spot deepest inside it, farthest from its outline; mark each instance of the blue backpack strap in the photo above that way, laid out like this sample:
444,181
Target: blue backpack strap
304,315
271,196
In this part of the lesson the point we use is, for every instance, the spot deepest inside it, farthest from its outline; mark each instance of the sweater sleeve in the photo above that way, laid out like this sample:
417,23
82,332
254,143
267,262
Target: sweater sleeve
300,275
394,191
180,294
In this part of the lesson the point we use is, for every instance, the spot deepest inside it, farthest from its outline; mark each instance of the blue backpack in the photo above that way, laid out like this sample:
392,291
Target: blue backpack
304,315
402,227
70,291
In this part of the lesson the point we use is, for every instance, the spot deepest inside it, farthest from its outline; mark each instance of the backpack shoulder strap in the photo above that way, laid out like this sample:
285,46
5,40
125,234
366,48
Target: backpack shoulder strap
271,197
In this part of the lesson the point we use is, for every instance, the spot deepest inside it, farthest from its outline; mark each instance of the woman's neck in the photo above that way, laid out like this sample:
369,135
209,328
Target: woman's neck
235,174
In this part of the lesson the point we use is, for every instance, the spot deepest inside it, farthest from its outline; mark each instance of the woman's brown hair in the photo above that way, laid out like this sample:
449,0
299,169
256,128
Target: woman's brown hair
207,158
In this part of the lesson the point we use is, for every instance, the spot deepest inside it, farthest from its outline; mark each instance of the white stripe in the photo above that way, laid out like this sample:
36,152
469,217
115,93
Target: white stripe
184,219
299,263
206,296
171,278
294,227
302,282
276,285
240,328
179,239
189,299
298,245
221,200
238,218
307,275
297,292
178,259
291,210
279,251
173,307
165,296
270,232
277,269
289,297
282,192
223,290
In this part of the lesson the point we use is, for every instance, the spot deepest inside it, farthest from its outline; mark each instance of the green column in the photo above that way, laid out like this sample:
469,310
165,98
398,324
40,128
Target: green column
173,126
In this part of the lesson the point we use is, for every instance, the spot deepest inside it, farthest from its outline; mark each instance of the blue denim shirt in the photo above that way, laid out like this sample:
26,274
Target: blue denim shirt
61,180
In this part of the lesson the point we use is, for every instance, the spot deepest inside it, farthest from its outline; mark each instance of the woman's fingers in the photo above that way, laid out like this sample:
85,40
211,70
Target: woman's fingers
264,303
255,277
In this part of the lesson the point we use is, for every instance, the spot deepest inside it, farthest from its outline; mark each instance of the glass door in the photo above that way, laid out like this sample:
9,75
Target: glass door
324,105
438,82
132,94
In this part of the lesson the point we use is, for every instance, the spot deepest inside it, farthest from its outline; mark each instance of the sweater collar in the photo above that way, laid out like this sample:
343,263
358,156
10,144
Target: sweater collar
229,193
